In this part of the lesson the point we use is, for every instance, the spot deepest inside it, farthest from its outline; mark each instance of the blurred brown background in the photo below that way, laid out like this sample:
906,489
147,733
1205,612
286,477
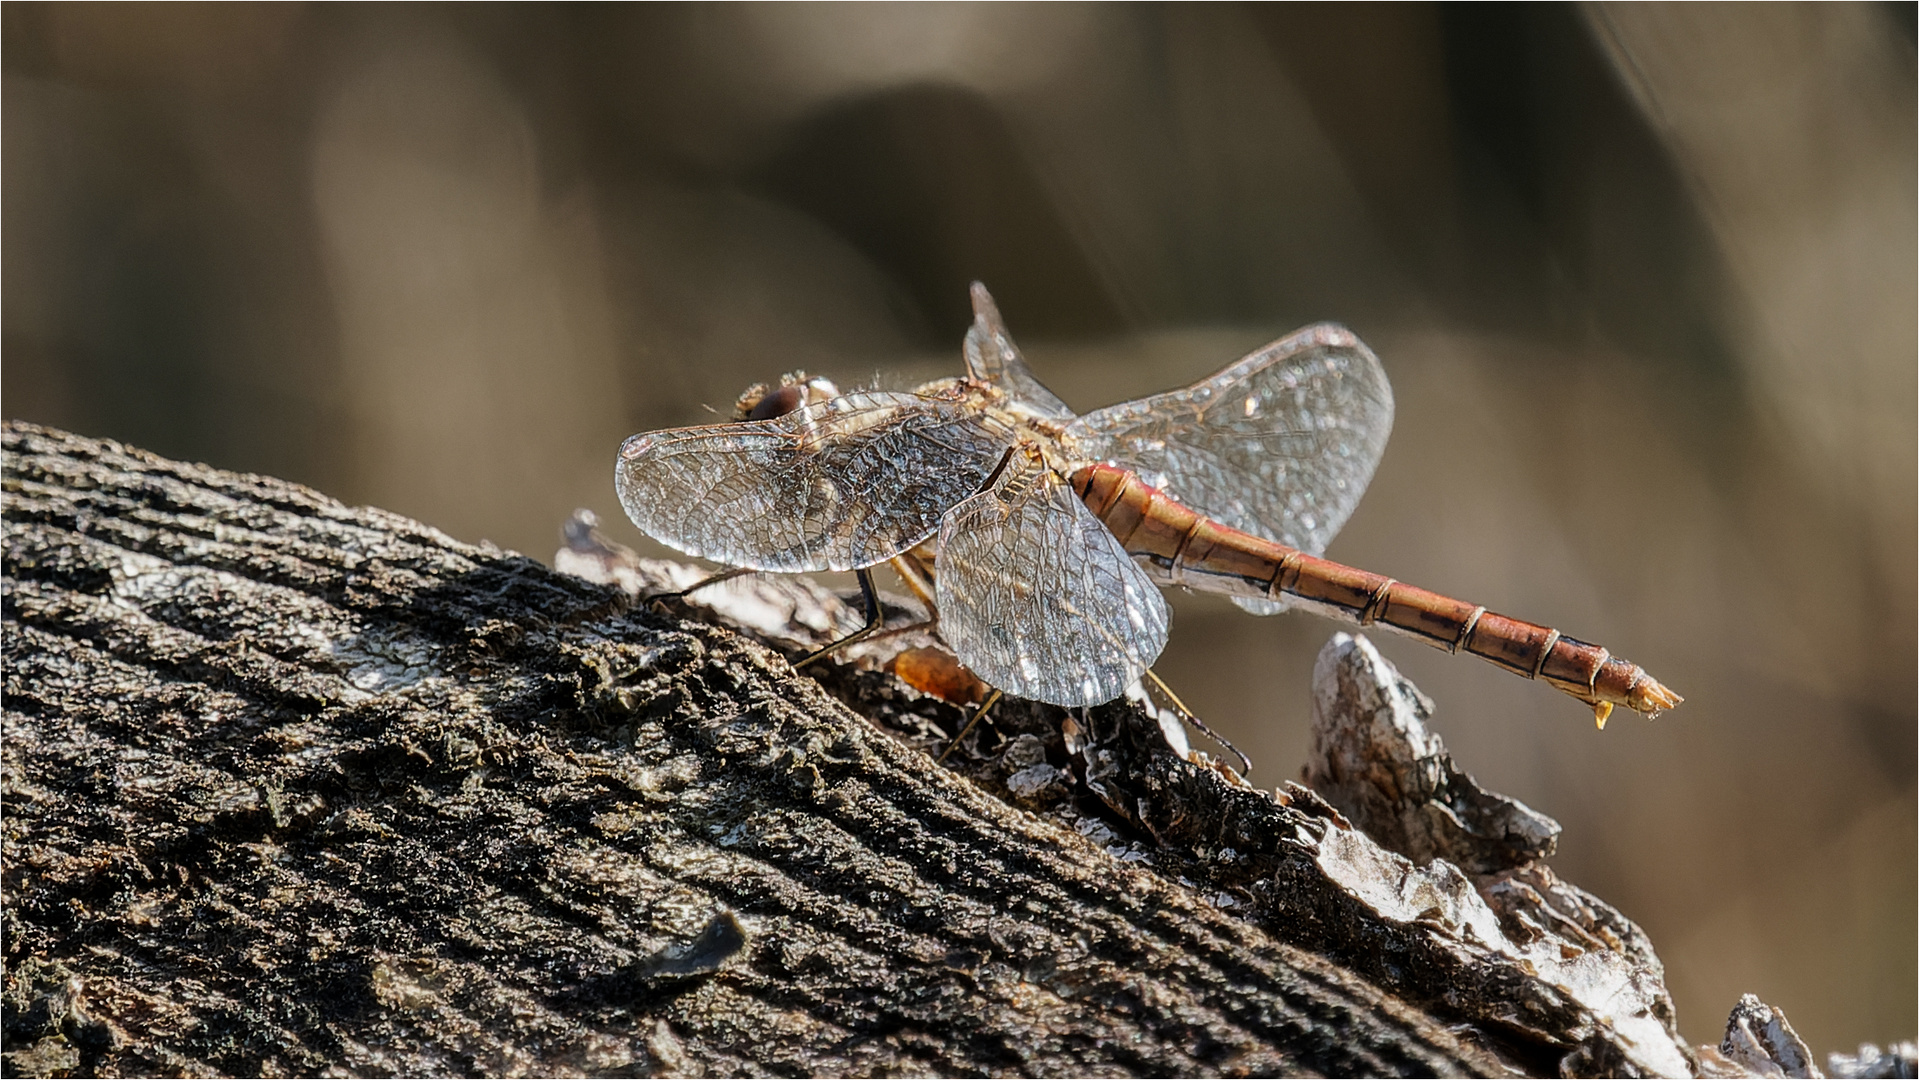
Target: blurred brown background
1643,278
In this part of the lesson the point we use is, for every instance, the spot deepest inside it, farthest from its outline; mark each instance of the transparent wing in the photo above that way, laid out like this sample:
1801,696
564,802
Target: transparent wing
1039,599
992,357
833,486
1281,444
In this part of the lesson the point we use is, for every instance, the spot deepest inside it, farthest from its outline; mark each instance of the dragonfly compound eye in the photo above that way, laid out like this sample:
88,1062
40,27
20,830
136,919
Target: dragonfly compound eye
796,389
772,403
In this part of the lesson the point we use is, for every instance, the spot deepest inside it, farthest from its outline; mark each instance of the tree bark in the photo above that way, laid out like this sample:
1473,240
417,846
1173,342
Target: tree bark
295,787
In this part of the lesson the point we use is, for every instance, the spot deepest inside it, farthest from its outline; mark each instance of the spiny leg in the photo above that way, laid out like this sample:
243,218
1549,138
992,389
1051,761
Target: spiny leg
977,715
1191,717
871,597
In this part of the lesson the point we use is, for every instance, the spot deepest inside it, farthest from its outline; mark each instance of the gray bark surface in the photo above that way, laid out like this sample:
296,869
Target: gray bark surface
293,787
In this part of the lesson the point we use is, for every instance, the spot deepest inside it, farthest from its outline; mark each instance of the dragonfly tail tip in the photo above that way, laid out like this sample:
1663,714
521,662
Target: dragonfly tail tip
1652,698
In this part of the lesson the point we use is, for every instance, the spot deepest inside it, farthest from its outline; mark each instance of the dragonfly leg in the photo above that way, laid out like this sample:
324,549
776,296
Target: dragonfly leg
978,714
926,625
714,579
871,598
918,579
1191,717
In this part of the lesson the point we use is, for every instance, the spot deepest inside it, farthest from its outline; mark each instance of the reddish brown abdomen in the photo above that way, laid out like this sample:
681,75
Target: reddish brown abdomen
1179,546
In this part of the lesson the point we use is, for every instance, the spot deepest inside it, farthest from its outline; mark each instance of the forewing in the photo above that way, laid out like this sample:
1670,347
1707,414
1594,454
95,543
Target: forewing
1280,445
992,357
1039,599
833,486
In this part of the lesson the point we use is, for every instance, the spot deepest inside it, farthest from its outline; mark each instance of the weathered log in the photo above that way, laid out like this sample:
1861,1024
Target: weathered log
296,787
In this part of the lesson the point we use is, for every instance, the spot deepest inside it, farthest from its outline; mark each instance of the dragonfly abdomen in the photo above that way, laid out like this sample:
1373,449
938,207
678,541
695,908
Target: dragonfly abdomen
1183,547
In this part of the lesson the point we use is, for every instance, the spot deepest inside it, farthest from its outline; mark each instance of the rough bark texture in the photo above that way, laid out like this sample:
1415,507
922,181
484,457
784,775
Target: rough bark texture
294,787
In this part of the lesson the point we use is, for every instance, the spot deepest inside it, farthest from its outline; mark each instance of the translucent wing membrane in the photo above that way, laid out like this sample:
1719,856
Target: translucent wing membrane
992,357
1034,593
1039,599
1280,445
837,485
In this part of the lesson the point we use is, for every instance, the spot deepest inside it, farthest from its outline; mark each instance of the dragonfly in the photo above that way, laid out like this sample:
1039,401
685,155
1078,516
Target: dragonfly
1041,539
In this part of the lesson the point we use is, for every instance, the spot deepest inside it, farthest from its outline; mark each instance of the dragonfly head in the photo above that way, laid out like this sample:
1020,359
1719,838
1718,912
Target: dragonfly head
796,390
